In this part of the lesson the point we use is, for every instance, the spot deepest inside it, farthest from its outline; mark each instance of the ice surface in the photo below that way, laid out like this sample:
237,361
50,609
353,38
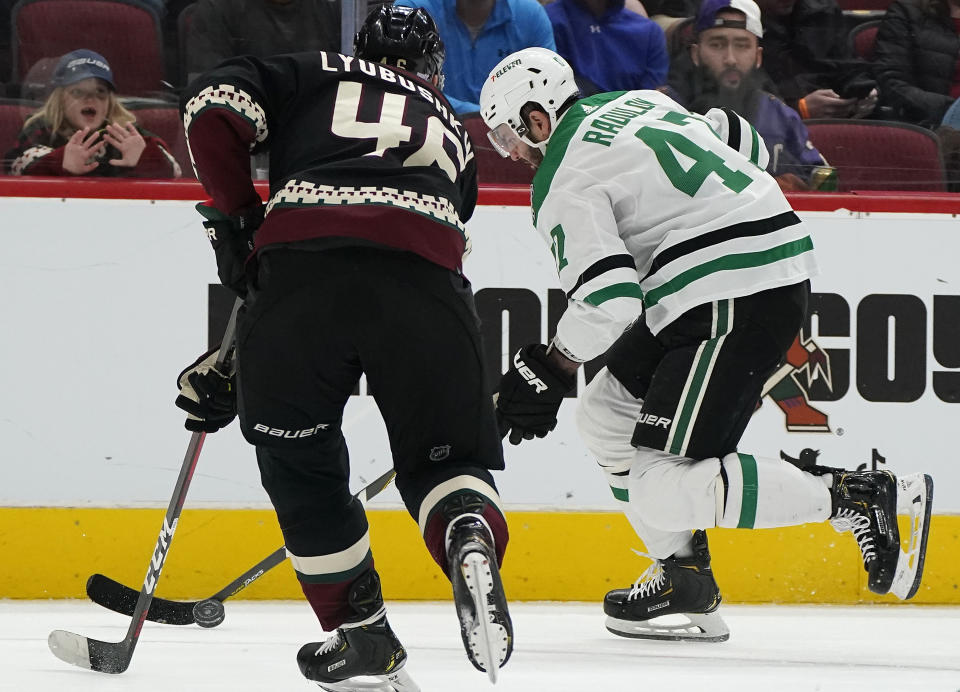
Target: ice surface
558,647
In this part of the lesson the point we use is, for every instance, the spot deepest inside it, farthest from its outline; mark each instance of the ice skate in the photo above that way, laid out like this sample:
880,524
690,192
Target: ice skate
478,594
361,656
682,587
866,503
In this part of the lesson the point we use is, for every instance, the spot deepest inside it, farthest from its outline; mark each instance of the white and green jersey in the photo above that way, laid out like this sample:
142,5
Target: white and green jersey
644,203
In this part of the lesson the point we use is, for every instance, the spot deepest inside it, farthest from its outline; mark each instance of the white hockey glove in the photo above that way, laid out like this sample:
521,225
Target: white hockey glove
207,395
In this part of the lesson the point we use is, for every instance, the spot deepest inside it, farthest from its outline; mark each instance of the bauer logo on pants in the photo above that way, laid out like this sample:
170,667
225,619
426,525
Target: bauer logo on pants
290,434
655,420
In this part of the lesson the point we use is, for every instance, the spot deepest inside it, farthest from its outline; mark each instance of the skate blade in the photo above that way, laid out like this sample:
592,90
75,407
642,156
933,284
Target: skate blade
915,499
397,681
699,627
488,640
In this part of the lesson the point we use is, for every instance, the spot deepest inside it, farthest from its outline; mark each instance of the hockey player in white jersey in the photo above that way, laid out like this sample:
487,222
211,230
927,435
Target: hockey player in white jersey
685,264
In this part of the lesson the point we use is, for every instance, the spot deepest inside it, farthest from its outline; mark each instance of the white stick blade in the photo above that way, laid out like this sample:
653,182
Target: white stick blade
70,647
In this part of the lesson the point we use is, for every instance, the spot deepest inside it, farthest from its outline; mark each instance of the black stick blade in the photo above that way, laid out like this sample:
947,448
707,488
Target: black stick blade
103,657
122,599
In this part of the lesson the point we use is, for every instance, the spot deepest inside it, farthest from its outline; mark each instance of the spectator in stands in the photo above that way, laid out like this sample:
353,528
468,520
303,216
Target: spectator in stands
83,129
727,57
609,47
805,46
477,34
916,59
670,14
221,29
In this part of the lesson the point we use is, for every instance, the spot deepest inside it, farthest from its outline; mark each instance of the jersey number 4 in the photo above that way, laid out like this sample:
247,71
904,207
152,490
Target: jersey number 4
665,142
390,132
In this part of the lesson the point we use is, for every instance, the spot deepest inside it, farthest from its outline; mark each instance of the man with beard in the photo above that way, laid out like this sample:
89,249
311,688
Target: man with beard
725,73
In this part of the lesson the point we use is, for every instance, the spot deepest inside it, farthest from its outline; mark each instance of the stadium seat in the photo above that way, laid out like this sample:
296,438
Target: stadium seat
126,33
879,155
163,120
862,39
491,167
13,113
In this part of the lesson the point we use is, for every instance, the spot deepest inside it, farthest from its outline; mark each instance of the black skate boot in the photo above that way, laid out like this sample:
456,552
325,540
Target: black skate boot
364,647
865,503
485,623
671,586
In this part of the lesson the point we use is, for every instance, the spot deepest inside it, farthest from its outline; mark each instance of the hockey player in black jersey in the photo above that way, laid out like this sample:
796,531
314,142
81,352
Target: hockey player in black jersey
685,266
354,267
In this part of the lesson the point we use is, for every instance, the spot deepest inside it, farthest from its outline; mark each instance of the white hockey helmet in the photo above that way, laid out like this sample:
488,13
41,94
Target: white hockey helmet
531,75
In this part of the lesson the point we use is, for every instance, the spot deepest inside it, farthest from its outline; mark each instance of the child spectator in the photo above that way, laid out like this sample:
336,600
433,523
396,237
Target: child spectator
83,129
477,34
916,59
726,55
609,47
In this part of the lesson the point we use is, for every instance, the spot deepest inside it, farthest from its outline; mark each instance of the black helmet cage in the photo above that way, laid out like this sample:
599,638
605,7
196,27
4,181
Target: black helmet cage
405,37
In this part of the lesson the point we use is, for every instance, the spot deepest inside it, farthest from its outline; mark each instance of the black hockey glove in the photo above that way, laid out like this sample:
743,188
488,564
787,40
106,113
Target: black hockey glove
207,395
232,240
530,395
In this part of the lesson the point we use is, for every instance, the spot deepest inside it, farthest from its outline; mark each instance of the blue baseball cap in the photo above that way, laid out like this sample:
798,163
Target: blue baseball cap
82,64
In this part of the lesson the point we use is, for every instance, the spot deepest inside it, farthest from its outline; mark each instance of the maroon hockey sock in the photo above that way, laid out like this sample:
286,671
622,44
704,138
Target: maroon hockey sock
435,533
329,598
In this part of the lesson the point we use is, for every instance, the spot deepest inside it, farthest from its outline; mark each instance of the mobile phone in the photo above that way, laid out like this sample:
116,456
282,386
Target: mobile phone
857,88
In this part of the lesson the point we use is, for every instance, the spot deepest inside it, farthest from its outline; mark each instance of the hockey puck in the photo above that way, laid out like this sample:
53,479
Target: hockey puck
208,613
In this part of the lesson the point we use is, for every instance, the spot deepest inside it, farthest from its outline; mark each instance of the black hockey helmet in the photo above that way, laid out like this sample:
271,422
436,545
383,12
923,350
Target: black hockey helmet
405,37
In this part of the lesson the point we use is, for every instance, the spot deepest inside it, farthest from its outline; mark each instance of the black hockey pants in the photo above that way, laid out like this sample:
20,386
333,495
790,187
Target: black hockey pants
701,376
319,320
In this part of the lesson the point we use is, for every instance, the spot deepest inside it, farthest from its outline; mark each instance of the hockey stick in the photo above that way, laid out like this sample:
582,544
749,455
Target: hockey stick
114,657
208,612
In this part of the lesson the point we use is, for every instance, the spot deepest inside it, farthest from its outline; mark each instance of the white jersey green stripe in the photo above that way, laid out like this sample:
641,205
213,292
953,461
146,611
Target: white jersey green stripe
634,175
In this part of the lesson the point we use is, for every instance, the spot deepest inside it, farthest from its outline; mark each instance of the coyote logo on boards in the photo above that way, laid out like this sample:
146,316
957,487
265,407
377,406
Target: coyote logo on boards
790,392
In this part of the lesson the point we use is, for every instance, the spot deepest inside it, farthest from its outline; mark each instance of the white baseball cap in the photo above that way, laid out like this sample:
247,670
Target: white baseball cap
707,16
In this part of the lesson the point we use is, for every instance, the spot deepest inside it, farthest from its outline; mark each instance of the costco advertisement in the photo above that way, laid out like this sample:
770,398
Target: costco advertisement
106,301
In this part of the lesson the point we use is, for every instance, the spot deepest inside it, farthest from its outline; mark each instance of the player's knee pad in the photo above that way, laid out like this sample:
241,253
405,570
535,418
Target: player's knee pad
763,493
655,541
674,493
606,417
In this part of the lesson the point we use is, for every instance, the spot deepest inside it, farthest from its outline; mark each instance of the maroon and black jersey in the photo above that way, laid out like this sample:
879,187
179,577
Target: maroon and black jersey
361,152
